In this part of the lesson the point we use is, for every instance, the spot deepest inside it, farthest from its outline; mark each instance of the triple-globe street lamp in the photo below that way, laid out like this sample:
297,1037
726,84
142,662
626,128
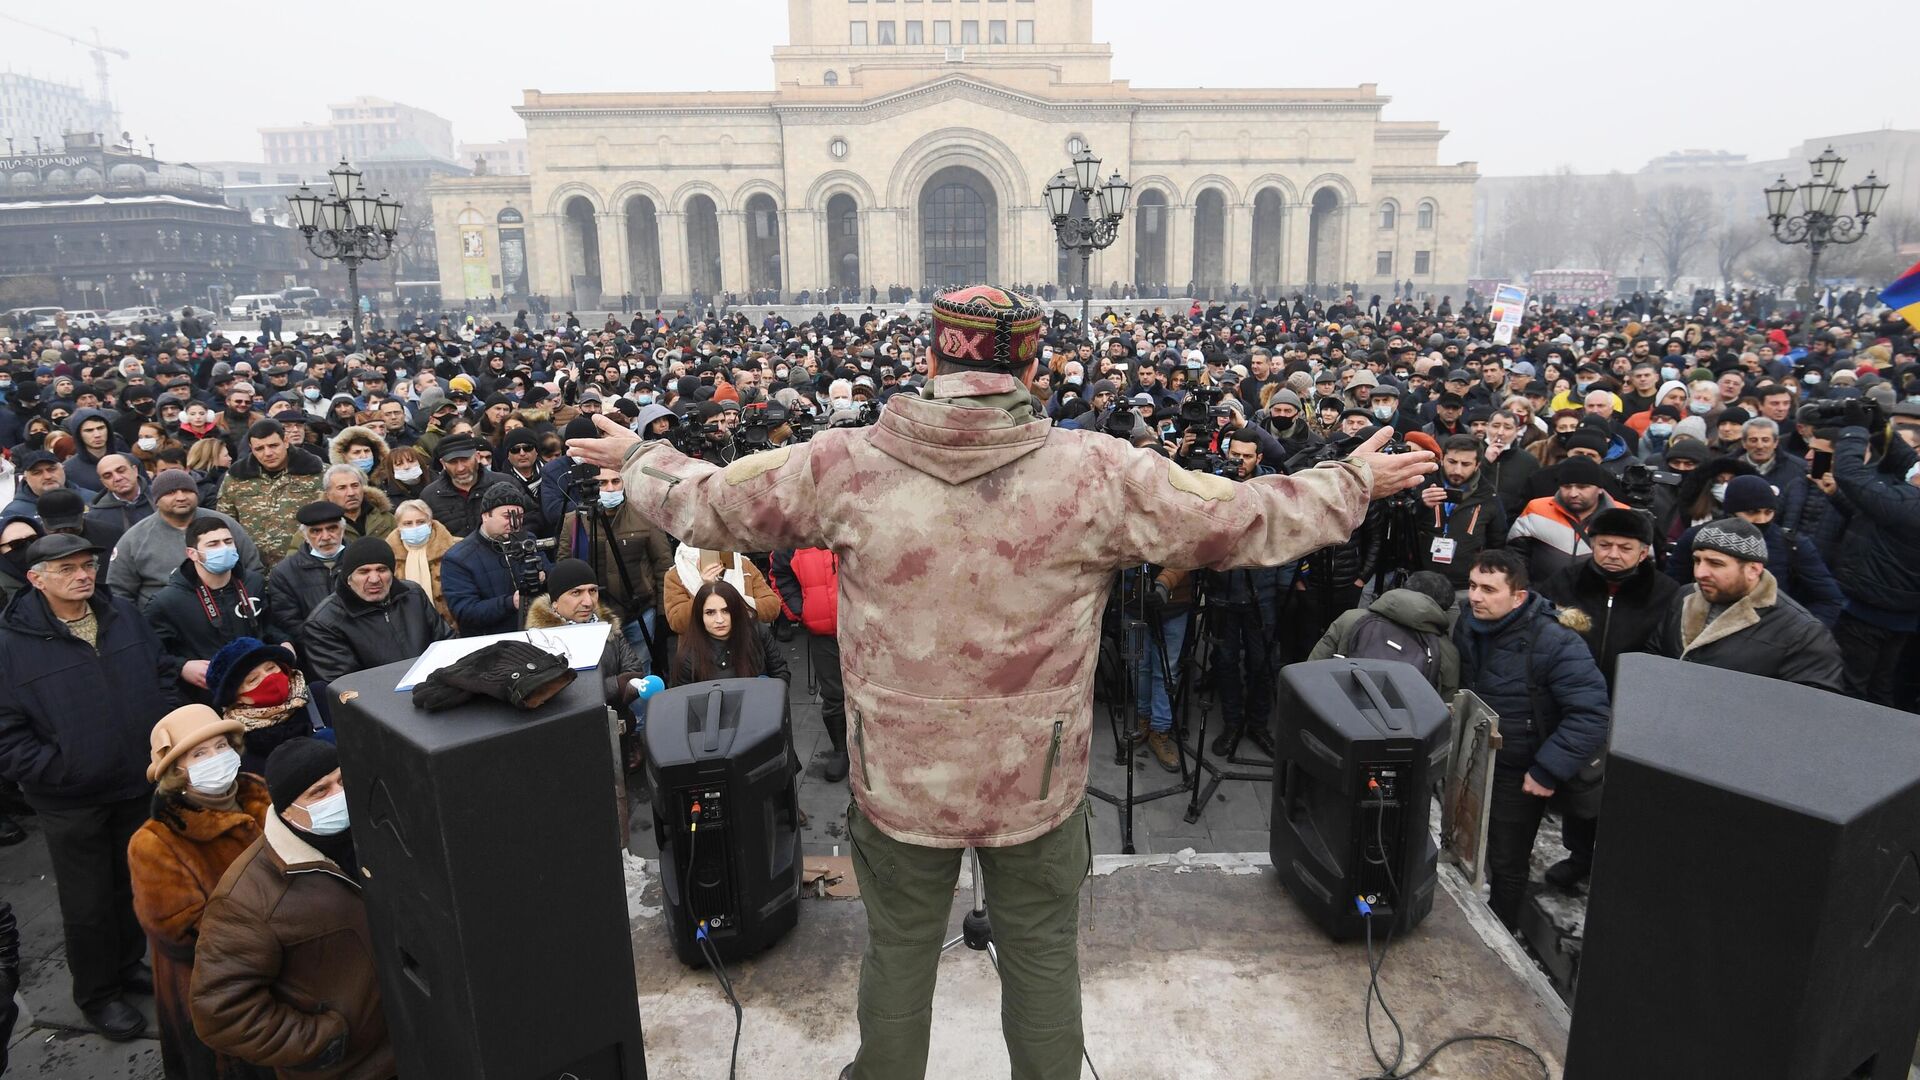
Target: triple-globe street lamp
347,225
1819,221
1090,231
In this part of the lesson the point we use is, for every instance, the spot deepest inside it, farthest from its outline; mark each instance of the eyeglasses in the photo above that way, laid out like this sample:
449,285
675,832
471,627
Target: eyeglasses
91,566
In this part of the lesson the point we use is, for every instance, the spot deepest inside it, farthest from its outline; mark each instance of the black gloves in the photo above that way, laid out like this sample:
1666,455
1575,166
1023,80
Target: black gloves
515,672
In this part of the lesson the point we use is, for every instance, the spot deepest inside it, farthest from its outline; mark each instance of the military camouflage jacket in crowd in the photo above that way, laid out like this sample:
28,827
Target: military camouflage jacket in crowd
976,547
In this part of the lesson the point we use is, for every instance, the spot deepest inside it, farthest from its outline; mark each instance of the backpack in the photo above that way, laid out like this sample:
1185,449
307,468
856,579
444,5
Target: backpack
1376,637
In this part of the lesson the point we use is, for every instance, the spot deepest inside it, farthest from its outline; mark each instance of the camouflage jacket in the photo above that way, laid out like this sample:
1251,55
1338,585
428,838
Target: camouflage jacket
976,550
265,503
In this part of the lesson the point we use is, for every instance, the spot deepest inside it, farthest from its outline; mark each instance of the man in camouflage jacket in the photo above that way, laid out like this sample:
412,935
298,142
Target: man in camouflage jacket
265,490
970,702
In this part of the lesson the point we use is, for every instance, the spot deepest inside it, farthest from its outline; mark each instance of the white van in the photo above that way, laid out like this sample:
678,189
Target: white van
253,305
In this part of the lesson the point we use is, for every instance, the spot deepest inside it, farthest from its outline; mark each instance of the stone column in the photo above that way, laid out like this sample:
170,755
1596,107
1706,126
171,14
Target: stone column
614,265
1239,244
1179,248
546,262
1293,270
733,251
673,257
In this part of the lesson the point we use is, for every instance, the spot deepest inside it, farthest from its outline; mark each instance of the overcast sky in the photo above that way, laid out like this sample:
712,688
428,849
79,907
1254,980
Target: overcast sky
1599,87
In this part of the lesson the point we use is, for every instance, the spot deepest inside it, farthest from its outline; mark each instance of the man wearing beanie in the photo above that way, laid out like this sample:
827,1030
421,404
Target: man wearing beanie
1795,562
151,550
977,543
572,598
371,617
283,974
1552,531
1614,598
477,575
1734,615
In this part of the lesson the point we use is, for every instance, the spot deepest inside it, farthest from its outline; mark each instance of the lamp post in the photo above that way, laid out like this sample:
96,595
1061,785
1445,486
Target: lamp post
1820,221
1088,232
347,225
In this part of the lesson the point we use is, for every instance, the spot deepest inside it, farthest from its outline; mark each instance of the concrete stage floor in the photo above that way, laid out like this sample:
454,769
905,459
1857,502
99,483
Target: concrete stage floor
1198,968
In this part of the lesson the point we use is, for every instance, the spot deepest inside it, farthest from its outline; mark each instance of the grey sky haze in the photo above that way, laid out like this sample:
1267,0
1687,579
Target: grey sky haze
1593,86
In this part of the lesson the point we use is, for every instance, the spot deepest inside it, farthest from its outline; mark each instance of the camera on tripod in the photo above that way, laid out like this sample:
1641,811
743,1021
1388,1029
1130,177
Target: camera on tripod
1201,407
1637,484
758,422
523,564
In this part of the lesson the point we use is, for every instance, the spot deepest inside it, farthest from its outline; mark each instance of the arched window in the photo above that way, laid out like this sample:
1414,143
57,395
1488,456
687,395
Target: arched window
1424,216
1389,215
831,78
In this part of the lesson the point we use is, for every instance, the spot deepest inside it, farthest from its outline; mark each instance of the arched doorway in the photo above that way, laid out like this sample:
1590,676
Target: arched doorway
1325,239
843,241
959,229
581,246
643,248
1150,240
1269,216
703,246
1209,241
763,243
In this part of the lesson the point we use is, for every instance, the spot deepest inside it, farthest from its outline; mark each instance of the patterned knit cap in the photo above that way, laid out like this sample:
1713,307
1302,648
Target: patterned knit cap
1732,536
987,326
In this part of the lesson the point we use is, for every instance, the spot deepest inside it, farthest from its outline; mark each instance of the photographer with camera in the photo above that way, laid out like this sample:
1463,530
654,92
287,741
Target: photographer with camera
630,556
485,575
1244,608
1460,518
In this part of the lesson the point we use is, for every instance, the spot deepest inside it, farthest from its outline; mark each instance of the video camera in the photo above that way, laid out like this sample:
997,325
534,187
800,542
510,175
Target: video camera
1637,484
1846,412
1201,407
524,564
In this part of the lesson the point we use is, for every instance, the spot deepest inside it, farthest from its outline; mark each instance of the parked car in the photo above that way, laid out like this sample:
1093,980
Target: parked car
84,318
128,317
30,318
253,305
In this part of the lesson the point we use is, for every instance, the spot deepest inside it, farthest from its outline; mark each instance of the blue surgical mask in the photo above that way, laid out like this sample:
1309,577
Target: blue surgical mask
311,393
611,500
329,815
415,535
1659,431
1699,408
1670,374
214,775
1812,378
220,559
1912,472
325,556
365,465
1384,412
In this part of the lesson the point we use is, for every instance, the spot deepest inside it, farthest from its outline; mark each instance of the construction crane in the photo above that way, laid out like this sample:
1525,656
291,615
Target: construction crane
99,49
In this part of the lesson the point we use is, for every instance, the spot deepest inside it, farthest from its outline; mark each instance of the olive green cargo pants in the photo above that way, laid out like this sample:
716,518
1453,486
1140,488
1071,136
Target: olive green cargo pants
1033,897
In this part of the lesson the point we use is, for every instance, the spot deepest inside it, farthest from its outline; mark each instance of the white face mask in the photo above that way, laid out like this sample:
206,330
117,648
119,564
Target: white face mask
329,815
1719,493
407,474
214,775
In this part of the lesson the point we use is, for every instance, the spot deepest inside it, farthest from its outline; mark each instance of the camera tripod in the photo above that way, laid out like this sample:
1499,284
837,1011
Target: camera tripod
599,526
1205,607
1123,704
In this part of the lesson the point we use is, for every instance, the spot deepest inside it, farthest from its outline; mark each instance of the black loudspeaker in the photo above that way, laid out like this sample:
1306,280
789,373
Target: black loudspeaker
725,814
1359,745
1755,907
490,854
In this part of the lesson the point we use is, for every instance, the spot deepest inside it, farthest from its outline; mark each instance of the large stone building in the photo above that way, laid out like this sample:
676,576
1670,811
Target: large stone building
908,142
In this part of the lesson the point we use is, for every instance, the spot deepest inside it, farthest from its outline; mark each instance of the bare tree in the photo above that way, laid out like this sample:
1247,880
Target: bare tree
1675,222
1731,244
1538,229
1607,207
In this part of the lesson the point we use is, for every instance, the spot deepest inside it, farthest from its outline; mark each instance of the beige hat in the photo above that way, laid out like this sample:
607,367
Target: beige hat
183,729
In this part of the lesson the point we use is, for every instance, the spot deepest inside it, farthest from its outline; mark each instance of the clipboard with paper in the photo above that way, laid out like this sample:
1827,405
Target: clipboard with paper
580,643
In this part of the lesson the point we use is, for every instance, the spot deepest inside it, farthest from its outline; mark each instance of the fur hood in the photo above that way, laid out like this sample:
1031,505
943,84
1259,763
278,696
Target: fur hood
541,616
376,499
337,446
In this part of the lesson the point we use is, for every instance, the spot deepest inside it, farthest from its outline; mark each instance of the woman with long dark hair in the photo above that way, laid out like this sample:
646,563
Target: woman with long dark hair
725,641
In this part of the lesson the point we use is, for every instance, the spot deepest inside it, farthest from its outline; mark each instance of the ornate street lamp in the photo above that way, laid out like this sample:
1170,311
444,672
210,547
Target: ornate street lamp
348,226
1099,224
1819,221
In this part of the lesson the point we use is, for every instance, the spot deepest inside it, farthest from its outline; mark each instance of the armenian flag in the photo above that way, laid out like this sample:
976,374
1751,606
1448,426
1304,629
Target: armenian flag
1903,296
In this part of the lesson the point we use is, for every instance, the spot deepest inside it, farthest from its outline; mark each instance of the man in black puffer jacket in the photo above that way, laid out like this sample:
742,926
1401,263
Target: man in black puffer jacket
372,618
1553,707
1614,599
1878,568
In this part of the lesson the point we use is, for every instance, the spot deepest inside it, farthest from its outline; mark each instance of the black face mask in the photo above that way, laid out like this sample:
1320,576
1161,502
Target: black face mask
1615,576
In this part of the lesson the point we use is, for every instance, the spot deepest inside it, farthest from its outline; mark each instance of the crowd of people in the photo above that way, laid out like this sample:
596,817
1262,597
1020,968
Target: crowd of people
201,532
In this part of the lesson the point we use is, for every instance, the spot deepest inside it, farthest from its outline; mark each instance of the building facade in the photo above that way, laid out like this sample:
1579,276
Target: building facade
106,227
505,158
907,142
366,127
48,111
